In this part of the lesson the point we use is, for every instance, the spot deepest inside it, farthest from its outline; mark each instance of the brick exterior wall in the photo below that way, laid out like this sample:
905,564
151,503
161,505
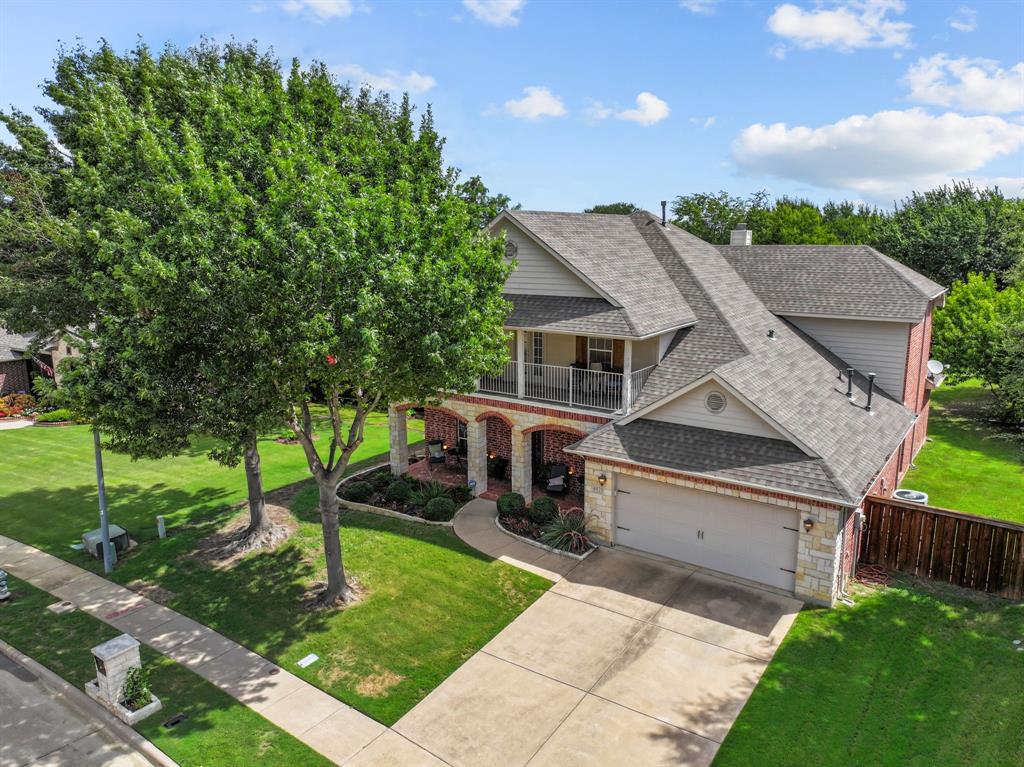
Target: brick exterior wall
499,438
14,376
916,394
554,442
438,424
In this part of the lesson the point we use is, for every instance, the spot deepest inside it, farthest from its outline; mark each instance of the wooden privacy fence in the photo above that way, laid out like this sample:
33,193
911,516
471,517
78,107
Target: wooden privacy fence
974,552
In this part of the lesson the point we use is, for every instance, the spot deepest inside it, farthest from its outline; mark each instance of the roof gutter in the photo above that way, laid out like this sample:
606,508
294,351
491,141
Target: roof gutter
656,333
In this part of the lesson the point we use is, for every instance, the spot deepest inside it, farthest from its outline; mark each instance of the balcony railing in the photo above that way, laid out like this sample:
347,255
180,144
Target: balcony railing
566,385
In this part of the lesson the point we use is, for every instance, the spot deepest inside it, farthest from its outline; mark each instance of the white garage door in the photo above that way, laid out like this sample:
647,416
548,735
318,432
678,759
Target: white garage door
752,540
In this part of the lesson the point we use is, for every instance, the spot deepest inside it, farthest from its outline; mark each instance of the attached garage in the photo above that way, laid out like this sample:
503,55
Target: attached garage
751,540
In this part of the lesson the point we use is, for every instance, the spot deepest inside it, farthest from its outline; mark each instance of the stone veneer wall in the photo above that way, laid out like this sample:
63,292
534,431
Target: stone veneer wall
818,551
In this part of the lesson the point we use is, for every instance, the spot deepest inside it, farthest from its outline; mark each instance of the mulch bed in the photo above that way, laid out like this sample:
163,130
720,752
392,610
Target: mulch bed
379,500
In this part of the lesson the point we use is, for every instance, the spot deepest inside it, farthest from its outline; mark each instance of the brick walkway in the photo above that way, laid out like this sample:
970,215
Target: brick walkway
324,723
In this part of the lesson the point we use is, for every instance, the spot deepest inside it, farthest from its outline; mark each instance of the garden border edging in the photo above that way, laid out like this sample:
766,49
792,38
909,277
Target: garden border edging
539,545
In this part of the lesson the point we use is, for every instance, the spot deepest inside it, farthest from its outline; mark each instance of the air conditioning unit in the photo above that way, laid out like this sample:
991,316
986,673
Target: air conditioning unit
93,541
915,496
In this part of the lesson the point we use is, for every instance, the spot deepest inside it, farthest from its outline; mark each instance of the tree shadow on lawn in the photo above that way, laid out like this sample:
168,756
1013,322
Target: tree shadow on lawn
918,673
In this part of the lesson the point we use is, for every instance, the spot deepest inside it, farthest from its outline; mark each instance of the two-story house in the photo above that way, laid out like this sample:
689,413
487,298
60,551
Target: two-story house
701,396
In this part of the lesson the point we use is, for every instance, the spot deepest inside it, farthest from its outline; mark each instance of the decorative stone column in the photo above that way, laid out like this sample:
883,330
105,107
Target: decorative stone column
599,502
522,464
476,439
398,441
818,554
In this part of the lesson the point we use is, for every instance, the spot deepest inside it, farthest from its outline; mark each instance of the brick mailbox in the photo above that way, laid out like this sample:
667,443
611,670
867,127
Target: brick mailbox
113,659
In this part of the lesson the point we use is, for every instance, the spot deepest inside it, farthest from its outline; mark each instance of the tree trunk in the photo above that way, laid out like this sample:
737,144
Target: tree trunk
258,522
337,585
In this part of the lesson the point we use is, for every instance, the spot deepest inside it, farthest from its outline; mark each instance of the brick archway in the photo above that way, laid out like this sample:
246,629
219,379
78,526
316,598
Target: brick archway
555,427
495,414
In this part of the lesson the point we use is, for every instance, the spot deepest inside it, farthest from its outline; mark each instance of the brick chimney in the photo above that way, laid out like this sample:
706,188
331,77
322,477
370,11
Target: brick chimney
741,235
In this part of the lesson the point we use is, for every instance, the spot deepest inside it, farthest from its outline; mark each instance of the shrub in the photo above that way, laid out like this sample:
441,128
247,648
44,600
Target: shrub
398,491
440,509
381,479
427,492
462,494
60,414
542,511
358,491
511,505
135,691
19,401
520,526
567,532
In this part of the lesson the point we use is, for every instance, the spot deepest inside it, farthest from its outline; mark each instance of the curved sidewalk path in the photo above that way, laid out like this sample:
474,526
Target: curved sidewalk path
325,724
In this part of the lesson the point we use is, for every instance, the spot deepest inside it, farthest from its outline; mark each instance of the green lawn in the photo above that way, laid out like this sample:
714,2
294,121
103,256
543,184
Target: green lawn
219,730
967,466
917,675
431,600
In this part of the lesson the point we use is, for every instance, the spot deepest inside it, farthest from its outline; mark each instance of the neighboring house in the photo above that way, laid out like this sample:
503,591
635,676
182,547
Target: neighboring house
19,363
699,393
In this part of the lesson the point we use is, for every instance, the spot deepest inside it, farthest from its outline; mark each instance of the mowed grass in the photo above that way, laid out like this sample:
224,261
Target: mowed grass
430,601
218,731
915,675
967,465
48,483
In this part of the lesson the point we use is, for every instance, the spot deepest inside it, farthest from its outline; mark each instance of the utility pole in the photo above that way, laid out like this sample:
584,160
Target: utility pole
108,559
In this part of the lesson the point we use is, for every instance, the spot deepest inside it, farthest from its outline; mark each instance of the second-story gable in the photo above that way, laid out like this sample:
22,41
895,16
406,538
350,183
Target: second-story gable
538,272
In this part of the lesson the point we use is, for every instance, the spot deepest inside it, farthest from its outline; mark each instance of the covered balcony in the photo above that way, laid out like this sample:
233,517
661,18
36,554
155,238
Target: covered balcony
585,372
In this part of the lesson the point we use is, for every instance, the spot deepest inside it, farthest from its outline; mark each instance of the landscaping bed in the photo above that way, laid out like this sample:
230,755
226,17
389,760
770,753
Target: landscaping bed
426,501
543,524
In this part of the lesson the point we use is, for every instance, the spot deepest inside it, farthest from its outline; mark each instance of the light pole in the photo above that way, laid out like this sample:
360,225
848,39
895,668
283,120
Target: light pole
108,560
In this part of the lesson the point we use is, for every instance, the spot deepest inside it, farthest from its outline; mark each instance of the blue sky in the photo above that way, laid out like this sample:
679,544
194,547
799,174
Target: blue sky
565,104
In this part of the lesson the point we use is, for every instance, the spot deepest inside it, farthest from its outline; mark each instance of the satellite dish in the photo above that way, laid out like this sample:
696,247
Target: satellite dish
935,367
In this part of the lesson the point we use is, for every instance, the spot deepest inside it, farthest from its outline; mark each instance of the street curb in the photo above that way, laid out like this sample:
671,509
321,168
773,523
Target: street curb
79,700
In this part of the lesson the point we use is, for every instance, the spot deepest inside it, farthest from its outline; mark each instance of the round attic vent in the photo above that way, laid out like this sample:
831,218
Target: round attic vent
715,401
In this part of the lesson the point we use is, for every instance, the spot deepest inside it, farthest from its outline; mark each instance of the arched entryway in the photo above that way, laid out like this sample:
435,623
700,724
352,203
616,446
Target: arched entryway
548,459
446,440
497,432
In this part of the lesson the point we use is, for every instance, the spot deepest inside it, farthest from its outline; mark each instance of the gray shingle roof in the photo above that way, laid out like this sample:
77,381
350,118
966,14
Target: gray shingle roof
565,314
611,253
770,463
832,280
13,345
791,378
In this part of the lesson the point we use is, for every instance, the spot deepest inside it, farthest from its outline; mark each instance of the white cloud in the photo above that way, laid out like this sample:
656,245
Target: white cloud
703,7
597,110
964,20
388,80
321,9
881,155
704,122
649,110
539,102
976,85
843,25
499,13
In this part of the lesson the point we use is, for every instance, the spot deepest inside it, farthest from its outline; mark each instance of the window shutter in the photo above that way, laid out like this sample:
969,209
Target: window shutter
581,351
618,353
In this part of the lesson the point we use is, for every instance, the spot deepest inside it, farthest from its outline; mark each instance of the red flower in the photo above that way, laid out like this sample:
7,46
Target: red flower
331,359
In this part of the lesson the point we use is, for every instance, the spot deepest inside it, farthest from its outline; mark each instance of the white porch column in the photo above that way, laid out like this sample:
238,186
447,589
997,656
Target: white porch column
627,374
522,463
520,363
398,441
476,445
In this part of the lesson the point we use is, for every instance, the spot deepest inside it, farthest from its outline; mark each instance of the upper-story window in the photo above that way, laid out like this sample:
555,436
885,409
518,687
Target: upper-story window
599,352
537,348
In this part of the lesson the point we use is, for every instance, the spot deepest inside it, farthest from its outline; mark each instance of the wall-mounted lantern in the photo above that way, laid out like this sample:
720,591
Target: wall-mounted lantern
808,524
602,479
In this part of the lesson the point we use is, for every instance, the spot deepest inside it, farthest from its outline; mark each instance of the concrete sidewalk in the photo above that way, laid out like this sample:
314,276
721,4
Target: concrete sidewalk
39,726
319,720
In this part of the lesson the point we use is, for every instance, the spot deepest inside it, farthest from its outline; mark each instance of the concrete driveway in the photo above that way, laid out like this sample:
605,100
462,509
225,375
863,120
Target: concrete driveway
627,660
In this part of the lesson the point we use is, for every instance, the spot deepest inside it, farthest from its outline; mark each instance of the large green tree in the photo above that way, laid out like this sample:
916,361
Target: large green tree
241,240
620,208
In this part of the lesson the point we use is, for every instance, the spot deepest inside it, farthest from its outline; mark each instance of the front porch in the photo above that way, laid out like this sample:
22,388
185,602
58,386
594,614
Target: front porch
492,454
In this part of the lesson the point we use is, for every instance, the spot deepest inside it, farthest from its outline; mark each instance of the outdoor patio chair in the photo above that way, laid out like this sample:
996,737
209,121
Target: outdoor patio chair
435,451
558,475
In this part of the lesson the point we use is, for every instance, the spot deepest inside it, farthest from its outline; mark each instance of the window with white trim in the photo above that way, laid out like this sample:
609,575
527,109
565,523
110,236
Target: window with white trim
537,348
599,350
